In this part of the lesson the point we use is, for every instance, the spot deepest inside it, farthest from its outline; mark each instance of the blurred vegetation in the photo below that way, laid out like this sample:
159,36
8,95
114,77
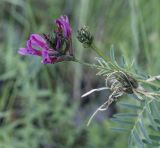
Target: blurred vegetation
40,105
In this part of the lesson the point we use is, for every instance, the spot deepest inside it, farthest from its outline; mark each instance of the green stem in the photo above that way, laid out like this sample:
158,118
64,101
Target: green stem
104,56
100,53
83,63
89,65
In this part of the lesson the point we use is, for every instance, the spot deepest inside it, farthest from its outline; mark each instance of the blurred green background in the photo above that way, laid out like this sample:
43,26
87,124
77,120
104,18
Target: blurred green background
40,105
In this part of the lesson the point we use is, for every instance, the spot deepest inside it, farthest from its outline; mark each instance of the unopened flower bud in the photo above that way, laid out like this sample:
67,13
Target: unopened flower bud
85,37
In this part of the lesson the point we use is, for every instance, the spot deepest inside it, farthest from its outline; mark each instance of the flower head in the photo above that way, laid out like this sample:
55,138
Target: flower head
37,46
52,47
64,26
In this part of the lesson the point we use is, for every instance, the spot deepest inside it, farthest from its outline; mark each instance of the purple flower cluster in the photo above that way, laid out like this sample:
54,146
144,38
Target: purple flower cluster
54,47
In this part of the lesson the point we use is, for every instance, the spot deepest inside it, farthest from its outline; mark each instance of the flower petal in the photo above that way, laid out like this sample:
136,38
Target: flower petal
63,23
22,51
37,40
31,50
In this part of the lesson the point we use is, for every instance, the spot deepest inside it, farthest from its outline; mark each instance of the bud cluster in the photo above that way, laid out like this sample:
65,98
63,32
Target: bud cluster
85,37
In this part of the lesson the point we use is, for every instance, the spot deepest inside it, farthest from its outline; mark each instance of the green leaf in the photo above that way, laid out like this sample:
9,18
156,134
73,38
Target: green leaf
155,137
112,55
105,63
151,144
100,61
101,72
130,141
130,106
150,117
137,139
156,110
144,130
122,62
125,115
120,129
120,121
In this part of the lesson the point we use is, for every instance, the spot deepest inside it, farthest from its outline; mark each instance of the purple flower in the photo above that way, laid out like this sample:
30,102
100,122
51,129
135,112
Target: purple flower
35,41
54,47
64,25
37,46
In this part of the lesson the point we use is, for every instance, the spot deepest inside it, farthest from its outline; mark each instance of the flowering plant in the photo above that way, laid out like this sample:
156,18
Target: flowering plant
120,80
53,47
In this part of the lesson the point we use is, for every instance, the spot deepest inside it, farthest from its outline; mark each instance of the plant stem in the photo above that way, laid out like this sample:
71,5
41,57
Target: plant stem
83,63
104,56
100,53
89,65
